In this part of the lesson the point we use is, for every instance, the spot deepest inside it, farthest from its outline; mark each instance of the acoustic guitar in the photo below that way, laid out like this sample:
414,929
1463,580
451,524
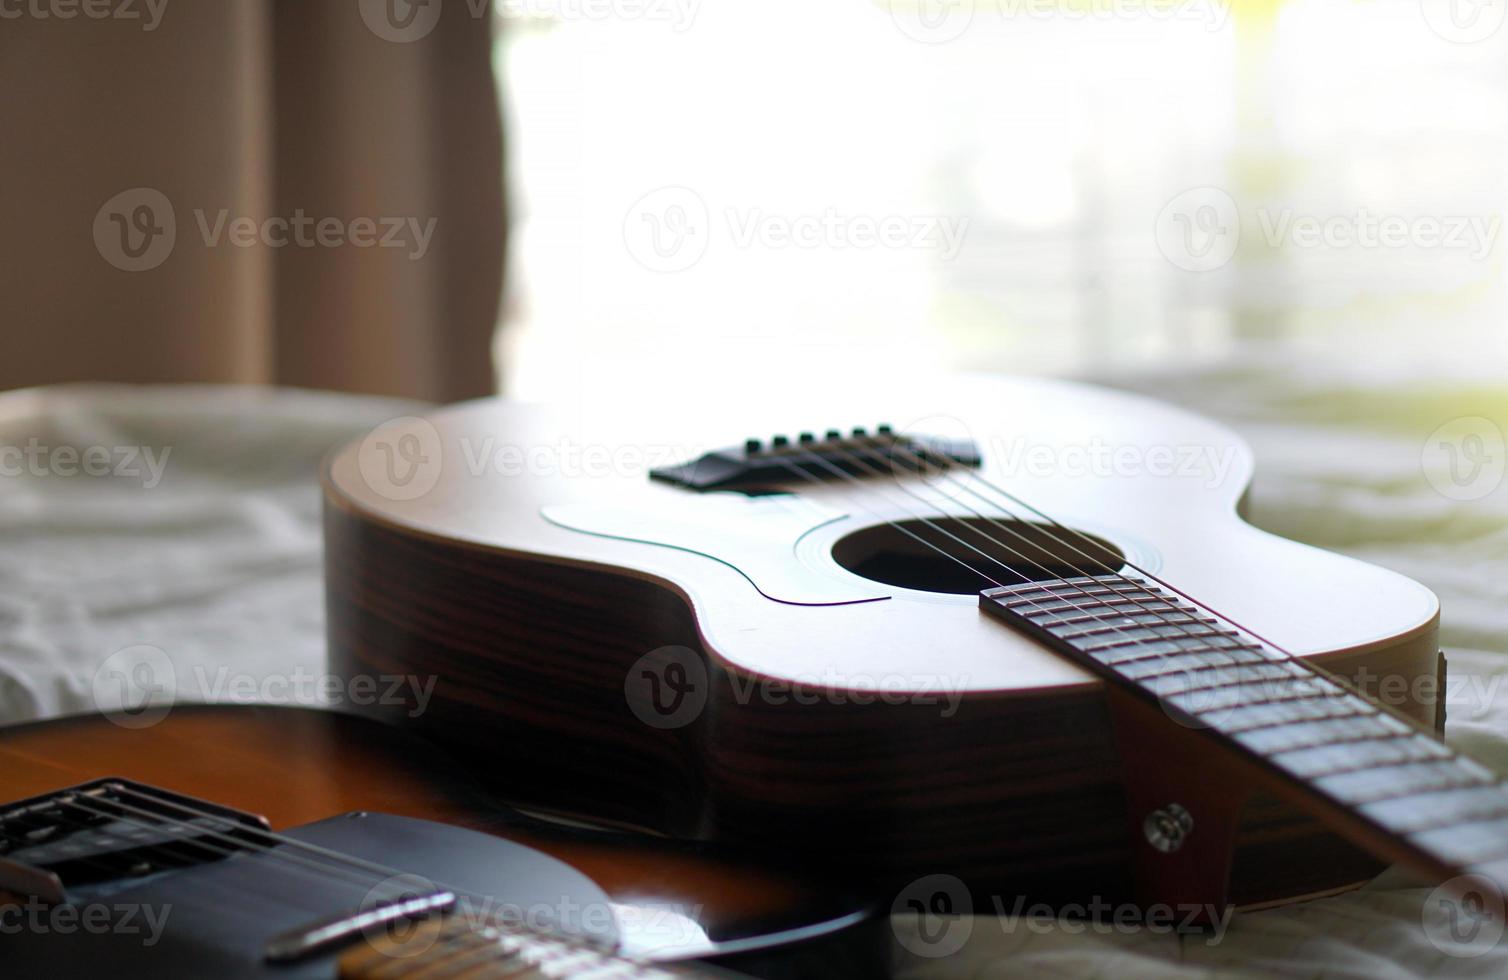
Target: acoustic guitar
1020,636
234,841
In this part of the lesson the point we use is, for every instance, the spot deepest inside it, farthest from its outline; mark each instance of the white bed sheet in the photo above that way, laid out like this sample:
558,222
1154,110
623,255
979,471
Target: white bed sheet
217,563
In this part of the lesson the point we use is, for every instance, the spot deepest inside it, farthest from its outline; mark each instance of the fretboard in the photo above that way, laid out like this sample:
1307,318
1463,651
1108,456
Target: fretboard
456,947
1346,756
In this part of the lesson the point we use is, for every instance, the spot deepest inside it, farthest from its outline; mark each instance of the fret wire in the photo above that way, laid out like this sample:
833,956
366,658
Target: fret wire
1356,726
1358,707
1380,784
288,850
1298,703
1341,758
1468,843
1406,816
1285,717
1194,661
1115,582
1122,600
1273,672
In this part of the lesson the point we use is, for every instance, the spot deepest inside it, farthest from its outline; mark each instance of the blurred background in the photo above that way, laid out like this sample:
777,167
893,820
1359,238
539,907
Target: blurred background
610,198
1310,184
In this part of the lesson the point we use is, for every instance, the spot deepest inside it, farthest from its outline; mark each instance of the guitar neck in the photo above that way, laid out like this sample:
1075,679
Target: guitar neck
1388,783
457,946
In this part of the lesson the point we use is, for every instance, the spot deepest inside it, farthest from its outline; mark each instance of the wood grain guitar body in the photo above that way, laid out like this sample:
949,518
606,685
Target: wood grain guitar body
818,686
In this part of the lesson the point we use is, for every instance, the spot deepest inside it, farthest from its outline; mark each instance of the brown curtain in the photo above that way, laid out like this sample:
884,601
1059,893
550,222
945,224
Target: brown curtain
141,159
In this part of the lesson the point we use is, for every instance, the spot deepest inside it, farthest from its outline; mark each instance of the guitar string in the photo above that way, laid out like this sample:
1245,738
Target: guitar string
188,848
357,866
1346,685
158,820
1184,628
191,849
19,843
320,867
1287,655
1368,708
1147,602
1112,628
1123,560
82,823
472,920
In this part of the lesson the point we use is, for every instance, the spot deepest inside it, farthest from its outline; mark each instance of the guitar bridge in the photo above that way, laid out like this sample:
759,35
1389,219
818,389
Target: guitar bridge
833,455
110,829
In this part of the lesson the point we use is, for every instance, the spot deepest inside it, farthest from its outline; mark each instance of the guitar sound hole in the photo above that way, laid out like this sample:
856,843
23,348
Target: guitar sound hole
1012,552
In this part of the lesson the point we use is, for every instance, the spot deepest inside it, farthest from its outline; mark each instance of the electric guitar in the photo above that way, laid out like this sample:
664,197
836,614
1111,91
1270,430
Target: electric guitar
1020,636
239,841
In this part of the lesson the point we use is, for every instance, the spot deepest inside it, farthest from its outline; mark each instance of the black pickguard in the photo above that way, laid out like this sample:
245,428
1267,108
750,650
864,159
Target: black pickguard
215,918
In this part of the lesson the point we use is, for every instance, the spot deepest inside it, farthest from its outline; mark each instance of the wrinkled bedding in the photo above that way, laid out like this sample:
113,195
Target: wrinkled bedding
205,544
